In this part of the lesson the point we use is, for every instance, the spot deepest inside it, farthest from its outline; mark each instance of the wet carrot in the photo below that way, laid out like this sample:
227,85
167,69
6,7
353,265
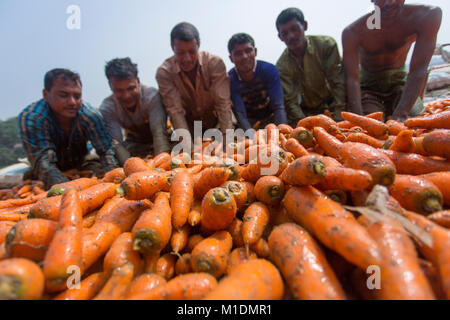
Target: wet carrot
269,190
195,215
183,264
88,288
303,136
209,178
144,283
11,203
108,206
142,185
307,170
114,176
404,142
437,143
211,254
165,266
153,230
303,264
341,178
5,226
415,164
20,279
181,198
251,197
285,128
235,230
278,215
436,121
238,191
193,240
253,280
162,161
30,239
261,248
255,220
442,218
239,256
218,210
78,184
121,253
89,220
179,239
364,138
374,127
321,121
395,127
117,285
150,262
293,146
432,274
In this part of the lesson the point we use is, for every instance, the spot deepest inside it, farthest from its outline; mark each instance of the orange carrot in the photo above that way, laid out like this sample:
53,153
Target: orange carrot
272,134
404,142
395,127
14,217
162,161
321,121
415,164
21,202
150,262
251,197
144,283
20,279
237,257
183,264
285,128
181,198
165,266
114,176
78,184
134,165
179,239
307,170
238,191
211,254
121,253
293,146
441,218
303,264
117,285
279,215
253,280
416,194
268,163
255,220
432,275
88,289
108,206
269,190
235,230
195,215
5,226
261,248
218,210
374,127
143,185
376,115
152,231
436,121
303,136
192,286
332,225
209,178
193,241
341,178
437,143
89,219
364,138
30,239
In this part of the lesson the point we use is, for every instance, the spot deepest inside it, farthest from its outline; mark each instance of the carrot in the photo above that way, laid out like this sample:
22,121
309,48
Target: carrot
303,136
255,220
269,190
89,219
374,127
272,164
142,185
165,266
332,225
121,253
3,254
238,191
181,198
150,262
237,257
364,138
144,283
251,196
20,202
401,275
303,264
415,164
209,178
395,127
195,215
162,161
293,146
404,142
285,129
278,215
442,218
78,184
211,254
30,239
117,285
235,230
253,280
272,134
153,230
183,264
376,115
261,248
192,286
99,238
432,274
20,279
341,178
416,194
25,189
114,176
321,121
339,196
358,156
304,171
436,121
418,146
218,210
193,240
179,239
108,206
437,143
88,289
5,226
90,199
14,217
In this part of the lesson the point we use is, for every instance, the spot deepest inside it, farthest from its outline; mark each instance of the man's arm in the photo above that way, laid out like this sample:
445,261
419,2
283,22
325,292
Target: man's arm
158,125
171,99
238,106
335,76
111,120
220,90
275,92
350,44
423,51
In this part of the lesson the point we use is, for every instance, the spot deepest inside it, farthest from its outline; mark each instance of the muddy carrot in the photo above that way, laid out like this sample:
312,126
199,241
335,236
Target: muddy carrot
303,136
273,164
108,206
195,215
255,220
30,239
11,203
89,220
183,264
218,210
404,142
261,248
211,254
5,226
285,128
321,121
117,285
442,218
235,230
303,264
237,257
395,127
121,253
162,161
269,190
20,279
307,170
14,217
209,178
144,283
251,197
88,288
374,127
192,242
78,184
165,266
432,274
150,261
341,178
293,146
114,176
436,121
364,138
142,185
179,239
238,191
181,198
278,215
437,143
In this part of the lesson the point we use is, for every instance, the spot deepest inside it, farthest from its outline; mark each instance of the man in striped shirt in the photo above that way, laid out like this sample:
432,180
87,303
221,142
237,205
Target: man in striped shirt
56,129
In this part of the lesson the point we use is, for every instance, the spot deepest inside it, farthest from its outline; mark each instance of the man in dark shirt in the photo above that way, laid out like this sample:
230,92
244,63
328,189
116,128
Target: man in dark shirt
256,90
56,129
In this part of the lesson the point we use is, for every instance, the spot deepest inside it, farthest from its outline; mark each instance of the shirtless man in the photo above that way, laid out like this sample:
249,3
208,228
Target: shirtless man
383,83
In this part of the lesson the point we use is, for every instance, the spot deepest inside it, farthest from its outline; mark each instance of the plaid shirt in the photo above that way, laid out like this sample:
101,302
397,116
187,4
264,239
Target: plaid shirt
50,151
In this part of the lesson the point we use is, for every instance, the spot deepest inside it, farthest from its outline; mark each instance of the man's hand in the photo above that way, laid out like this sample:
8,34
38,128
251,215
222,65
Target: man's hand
399,116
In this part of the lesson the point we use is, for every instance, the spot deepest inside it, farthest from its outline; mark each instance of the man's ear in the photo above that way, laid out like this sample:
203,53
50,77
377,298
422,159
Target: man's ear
45,94
256,52
231,58
306,25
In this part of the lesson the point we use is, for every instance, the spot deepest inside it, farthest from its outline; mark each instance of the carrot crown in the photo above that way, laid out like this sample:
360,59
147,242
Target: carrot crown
10,288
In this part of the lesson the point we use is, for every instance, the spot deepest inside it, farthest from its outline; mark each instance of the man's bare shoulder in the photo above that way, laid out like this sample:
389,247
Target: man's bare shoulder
422,16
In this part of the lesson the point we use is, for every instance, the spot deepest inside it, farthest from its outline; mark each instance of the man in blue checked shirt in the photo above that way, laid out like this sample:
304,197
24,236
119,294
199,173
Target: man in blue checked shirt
56,129
256,90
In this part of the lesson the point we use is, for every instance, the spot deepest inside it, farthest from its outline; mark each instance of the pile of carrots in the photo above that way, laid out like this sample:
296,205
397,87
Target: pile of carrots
220,228
24,190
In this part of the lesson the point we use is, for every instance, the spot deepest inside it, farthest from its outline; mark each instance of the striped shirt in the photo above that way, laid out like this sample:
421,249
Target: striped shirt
49,149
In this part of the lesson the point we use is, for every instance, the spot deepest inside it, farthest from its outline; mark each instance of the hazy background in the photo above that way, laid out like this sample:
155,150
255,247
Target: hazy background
35,39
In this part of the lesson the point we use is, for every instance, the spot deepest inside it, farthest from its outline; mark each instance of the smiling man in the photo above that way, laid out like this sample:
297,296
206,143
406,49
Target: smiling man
256,90
310,69
137,109
194,85
374,58
56,129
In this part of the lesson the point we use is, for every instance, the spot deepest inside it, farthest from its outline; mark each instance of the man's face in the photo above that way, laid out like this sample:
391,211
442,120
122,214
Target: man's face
292,33
243,56
389,8
186,53
126,91
64,98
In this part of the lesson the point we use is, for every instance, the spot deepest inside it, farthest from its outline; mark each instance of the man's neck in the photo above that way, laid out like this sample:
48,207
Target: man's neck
192,75
65,124
247,76
300,52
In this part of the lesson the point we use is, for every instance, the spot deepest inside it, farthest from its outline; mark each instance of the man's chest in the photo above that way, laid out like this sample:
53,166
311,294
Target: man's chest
388,41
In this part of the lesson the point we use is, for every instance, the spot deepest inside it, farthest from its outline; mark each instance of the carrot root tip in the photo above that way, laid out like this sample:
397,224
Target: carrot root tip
121,191
145,243
432,205
9,288
204,266
320,168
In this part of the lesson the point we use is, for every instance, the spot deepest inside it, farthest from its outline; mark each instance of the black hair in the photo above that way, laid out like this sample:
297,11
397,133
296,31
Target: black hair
289,14
121,69
65,74
239,38
184,31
